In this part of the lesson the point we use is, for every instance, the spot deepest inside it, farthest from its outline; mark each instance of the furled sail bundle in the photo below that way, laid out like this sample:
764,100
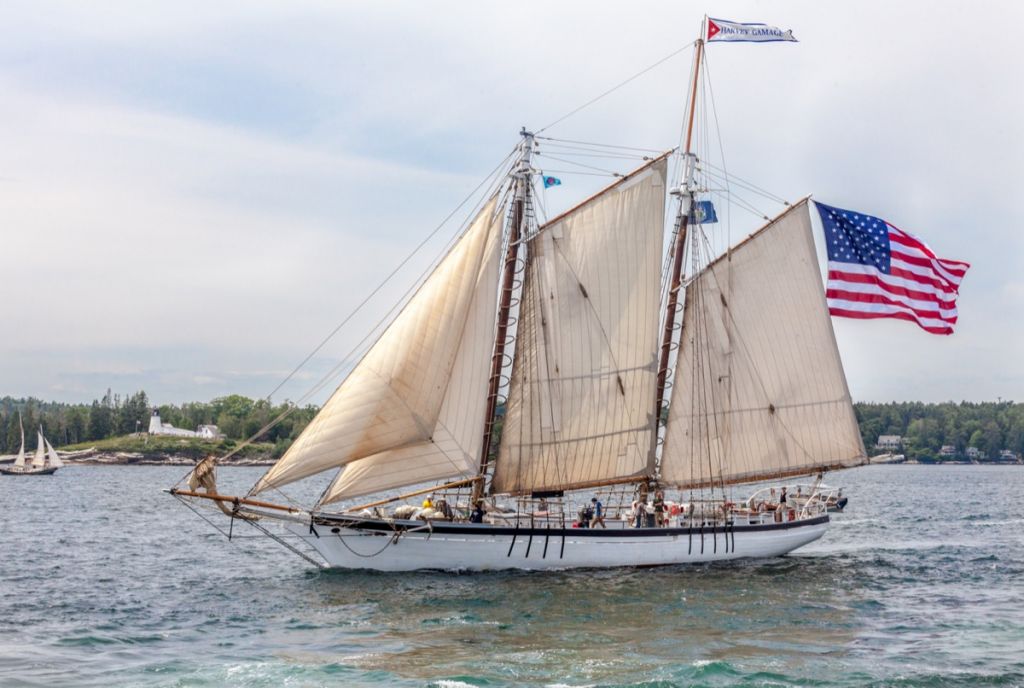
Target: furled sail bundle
760,390
412,409
583,382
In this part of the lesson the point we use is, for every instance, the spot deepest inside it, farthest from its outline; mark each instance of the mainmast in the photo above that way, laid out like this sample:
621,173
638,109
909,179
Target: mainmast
516,231
685,193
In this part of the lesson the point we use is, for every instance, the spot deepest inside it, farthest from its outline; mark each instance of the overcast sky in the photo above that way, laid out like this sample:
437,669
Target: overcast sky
192,197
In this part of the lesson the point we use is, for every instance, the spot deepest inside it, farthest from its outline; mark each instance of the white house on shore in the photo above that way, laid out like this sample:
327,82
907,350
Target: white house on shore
889,442
157,427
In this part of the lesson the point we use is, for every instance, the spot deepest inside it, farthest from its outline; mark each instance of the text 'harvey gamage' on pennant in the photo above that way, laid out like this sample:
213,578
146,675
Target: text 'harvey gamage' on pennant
876,270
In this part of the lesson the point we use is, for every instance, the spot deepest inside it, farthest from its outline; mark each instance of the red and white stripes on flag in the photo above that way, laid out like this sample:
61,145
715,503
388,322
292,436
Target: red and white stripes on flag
909,283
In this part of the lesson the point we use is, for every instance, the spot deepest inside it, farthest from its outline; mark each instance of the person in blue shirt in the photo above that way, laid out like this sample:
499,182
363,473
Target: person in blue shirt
598,518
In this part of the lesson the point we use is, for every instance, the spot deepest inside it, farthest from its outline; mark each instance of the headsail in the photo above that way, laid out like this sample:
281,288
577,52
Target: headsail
39,460
760,390
583,380
394,397
51,456
453,448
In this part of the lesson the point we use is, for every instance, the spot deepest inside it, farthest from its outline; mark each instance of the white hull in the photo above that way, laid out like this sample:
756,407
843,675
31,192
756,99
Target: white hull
487,548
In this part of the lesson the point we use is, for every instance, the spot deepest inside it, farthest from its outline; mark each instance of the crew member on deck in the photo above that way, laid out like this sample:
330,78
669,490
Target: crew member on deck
659,508
477,515
598,518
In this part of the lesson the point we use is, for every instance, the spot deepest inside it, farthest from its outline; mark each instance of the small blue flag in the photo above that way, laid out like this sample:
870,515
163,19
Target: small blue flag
552,181
703,213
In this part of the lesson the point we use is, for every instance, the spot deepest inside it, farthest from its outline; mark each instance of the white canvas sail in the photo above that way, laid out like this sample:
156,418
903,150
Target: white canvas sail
394,397
51,456
454,446
20,461
583,382
39,460
759,387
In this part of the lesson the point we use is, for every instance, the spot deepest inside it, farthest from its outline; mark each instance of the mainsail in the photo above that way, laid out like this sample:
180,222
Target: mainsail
408,407
20,461
760,390
582,391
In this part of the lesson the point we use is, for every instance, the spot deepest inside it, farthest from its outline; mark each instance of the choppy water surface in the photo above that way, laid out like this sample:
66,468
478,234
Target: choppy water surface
108,582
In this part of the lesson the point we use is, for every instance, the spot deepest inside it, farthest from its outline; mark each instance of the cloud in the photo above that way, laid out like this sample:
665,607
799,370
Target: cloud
194,189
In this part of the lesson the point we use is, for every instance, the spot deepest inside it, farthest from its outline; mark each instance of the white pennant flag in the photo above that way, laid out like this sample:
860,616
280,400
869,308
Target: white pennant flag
721,31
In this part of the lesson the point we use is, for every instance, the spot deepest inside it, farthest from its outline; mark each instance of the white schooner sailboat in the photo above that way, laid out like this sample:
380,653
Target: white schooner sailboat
45,461
540,365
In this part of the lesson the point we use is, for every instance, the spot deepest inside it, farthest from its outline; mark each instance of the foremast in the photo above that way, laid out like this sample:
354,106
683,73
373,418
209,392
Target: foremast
516,231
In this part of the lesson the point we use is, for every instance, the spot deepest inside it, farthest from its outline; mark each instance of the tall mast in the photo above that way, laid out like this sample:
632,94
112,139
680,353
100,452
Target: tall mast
517,229
685,193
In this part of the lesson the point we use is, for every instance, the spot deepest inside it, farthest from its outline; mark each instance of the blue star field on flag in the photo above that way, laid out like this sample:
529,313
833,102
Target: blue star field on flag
855,237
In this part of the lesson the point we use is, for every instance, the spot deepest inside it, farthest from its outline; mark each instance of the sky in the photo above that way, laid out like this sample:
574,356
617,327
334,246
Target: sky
192,195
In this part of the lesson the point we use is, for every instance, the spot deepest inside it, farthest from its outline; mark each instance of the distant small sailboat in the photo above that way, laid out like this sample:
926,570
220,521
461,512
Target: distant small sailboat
45,461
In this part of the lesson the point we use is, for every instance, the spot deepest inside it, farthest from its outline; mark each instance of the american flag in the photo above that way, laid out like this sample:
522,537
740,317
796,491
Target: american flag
876,270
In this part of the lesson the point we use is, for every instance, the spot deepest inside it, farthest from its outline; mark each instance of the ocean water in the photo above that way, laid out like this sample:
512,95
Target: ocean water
105,581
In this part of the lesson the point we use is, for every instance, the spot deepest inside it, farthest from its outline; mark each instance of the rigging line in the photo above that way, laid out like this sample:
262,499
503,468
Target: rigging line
617,86
714,175
593,150
601,145
716,411
390,275
744,182
605,156
589,167
742,203
588,174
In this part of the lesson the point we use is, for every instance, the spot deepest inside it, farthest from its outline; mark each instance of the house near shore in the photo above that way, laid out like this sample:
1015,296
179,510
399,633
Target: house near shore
889,442
158,427
210,432
947,450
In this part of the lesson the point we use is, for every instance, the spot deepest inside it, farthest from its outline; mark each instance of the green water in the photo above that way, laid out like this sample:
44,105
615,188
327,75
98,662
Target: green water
104,581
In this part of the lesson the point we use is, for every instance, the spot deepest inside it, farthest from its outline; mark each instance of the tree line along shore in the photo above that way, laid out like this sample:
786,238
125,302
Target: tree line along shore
117,424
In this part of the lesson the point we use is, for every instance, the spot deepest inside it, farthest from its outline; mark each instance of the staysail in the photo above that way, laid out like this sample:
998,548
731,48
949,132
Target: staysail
39,460
759,386
405,404
582,392
453,448
51,456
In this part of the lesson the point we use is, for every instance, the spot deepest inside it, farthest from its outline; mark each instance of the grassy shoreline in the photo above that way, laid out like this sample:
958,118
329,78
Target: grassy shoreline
144,448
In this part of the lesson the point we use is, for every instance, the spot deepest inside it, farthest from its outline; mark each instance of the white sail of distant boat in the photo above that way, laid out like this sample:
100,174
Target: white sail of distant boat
39,460
51,456
543,364
20,461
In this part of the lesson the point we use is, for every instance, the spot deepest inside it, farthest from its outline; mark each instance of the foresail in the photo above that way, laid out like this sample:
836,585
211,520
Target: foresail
454,446
394,396
51,456
759,386
583,381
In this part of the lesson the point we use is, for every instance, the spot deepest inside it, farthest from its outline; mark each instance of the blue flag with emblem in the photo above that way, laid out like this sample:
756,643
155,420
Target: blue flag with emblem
552,181
703,213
